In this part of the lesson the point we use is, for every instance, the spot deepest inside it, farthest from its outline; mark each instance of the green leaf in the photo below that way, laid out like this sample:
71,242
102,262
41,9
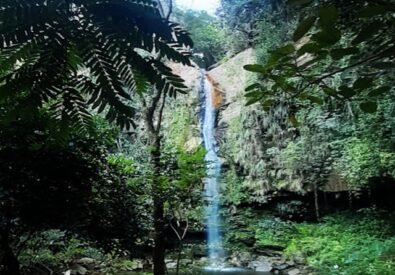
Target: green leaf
346,92
328,36
284,51
371,11
329,91
253,87
340,53
279,54
309,48
304,26
363,83
300,2
383,65
328,15
73,59
267,104
253,101
255,68
368,107
255,94
379,91
368,32
315,99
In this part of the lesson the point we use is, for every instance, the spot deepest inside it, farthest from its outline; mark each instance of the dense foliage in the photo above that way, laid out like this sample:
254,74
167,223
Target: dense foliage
105,55
309,162
207,34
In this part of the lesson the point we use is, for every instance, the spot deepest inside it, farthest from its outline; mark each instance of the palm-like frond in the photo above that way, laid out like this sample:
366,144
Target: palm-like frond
88,54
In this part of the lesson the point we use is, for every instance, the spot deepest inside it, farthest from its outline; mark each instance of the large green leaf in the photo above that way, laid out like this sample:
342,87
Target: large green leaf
379,91
255,68
310,48
284,51
363,83
328,15
315,99
372,11
368,107
300,2
304,26
329,36
342,52
253,87
383,65
346,92
330,91
368,32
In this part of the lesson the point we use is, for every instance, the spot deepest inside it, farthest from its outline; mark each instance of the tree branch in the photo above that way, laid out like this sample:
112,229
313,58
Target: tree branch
374,57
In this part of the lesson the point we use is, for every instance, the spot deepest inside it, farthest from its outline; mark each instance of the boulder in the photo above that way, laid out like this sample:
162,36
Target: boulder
264,267
245,257
261,264
281,267
293,271
78,270
85,261
235,261
171,265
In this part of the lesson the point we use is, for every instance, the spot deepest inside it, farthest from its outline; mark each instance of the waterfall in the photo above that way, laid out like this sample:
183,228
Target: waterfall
215,250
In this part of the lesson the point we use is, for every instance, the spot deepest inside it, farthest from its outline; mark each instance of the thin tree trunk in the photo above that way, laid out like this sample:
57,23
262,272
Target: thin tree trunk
179,257
326,201
370,196
350,199
317,209
159,221
9,261
159,248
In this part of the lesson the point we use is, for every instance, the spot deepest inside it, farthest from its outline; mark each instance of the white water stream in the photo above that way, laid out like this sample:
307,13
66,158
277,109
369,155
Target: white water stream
212,189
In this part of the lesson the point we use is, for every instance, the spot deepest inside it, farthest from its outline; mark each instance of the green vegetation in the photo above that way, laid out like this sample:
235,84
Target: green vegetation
206,33
101,159
347,244
343,243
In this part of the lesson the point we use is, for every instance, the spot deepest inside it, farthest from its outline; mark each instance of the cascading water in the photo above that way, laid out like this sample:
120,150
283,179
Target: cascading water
214,241
217,264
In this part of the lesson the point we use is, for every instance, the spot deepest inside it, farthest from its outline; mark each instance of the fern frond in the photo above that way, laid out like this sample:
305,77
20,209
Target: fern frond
44,45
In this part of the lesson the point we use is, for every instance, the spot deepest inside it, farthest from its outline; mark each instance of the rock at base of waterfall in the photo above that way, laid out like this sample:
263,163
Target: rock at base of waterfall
294,271
264,267
261,265
171,265
245,257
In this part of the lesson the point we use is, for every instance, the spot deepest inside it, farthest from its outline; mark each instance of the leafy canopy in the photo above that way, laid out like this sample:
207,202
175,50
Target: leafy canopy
331,41
75,56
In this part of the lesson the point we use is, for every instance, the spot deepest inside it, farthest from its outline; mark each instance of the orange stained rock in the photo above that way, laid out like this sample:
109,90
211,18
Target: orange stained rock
217,96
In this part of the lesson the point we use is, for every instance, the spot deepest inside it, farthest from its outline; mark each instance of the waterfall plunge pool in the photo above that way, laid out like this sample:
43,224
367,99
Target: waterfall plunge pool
225,271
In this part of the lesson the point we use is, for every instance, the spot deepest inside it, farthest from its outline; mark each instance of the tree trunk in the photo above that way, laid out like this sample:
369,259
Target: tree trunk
317,209
153,132
159,220
326,201
179,257
350,199
9,261
159,248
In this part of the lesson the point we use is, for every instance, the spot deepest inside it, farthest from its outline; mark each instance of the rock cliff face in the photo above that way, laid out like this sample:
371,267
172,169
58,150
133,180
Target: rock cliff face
230,79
